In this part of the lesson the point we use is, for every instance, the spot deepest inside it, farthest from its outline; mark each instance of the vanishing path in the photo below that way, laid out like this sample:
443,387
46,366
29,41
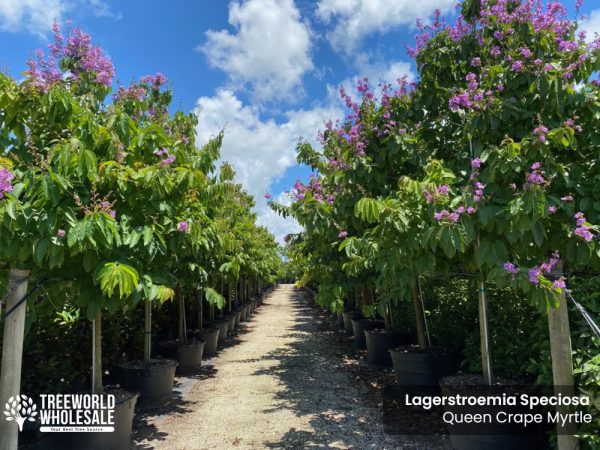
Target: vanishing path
280,386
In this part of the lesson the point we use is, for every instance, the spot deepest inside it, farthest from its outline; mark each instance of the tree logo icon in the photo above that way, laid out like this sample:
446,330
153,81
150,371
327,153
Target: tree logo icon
20,408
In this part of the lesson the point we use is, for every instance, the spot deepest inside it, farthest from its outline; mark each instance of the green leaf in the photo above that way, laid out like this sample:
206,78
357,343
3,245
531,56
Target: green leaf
116,276
214,298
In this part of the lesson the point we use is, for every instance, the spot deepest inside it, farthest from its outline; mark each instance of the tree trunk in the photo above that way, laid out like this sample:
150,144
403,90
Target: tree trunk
147,330
201,312
419,317
486,352
182,331
12,352
97,387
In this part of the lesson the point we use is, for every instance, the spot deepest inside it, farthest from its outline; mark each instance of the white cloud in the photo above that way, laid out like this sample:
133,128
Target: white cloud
260,150
591,25
33,16
269,51
355,19
276,224
37,16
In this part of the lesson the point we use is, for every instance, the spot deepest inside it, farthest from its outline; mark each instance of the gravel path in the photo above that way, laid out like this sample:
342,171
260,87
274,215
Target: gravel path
279,385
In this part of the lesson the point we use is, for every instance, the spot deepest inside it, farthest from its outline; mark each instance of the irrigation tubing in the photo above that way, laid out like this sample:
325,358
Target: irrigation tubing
588,318
20,302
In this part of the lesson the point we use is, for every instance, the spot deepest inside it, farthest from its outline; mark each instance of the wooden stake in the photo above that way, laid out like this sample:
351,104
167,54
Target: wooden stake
12,353
562,364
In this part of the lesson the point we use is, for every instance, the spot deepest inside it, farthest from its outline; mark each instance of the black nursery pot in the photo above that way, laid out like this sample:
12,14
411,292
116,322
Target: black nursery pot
359,325
238,317
348,316
153,380
120,438
243,312
416,367
188,354
489,436
340,319
211,337
379,341
223,327
232,323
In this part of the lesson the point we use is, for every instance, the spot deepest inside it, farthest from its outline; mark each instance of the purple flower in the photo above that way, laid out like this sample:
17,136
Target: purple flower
499,35
183,226
475,163
510,268
342,234
534,275
267,196
6,177
443,189
300,197
526,53
567,198
517,66
552,210
471,210
500,87
60,233
112,214
495,51
476,62
559,284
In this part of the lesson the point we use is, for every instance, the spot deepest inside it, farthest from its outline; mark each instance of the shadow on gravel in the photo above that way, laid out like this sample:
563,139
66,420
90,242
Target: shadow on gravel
318,384
145,434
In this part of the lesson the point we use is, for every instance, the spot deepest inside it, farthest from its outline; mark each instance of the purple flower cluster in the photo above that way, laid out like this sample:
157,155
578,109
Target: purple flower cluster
431,197
60,233
135,92
453,216
583,229
572,124
6,178
473,98
156,81
167,160
477,187
536,272
342,234
315,188
183,226
84,59
105,206
536,176
511,268
541,132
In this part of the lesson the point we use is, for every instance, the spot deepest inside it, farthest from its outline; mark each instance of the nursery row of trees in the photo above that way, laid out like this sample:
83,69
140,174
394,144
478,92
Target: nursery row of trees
487,165
109,201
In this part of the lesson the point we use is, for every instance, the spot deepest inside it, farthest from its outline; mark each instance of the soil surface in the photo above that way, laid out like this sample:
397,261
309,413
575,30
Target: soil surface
285,381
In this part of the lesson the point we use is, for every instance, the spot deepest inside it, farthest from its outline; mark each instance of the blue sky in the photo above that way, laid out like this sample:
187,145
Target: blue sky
266,70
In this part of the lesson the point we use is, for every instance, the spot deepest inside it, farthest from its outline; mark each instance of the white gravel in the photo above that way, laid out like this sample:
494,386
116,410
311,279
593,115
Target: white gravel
281,385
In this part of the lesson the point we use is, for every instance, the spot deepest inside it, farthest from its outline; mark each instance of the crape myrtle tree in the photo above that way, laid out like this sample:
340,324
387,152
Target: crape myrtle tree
501,135
112,202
